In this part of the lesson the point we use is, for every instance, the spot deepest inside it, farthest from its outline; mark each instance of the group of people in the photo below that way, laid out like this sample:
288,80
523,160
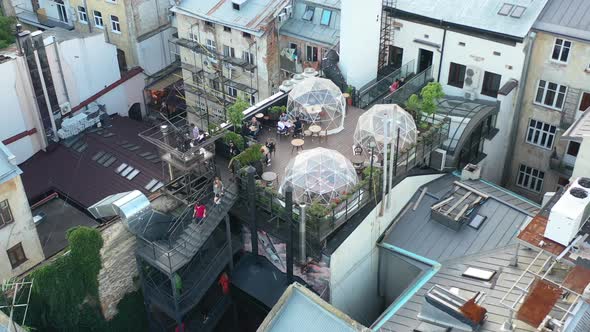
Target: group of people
398,83
284,125
200,209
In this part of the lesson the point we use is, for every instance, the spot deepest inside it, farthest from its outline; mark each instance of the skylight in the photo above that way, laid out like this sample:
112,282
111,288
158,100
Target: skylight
326,16
308,15
479,274
506,9
518,11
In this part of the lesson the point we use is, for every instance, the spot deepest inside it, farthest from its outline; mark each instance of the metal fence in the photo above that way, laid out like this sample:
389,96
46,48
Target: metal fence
411,86
375,90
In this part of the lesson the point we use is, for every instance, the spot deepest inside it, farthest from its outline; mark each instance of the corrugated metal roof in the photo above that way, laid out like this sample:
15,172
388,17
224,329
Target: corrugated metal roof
312,30
566,17
450,276
417,232
252,14
7,169
482,14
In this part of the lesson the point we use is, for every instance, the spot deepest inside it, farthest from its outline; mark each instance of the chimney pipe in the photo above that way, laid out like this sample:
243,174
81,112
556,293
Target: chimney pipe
289,221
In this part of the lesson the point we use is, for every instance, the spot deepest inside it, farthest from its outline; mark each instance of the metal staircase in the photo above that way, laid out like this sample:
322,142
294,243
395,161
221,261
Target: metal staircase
387,34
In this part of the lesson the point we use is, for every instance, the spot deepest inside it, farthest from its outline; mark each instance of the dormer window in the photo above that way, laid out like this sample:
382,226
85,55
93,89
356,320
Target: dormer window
326,16
308,15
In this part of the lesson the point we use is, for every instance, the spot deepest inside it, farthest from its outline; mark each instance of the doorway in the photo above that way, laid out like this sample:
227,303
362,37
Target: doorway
122,61
396,55
424,59
61,11
135,112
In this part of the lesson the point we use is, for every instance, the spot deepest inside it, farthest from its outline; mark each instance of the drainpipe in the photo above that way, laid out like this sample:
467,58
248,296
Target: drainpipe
519,105
302,233
46,95
410,292
252,209
289,222
61,71
442,51
88,15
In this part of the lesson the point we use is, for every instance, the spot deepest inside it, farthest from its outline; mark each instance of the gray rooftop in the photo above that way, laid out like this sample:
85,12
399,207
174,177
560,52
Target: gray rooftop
580,321
8,168
450,276
301,310
252,15
580,128
566,17
482,14
418,232
313,31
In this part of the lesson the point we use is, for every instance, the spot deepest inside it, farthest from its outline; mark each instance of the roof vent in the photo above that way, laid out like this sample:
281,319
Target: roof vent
238,4
579,193
443,308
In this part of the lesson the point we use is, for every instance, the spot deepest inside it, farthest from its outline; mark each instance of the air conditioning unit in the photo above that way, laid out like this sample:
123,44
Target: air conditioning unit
288,10
282,17
65,108
437,159
569,213
471,95
472,77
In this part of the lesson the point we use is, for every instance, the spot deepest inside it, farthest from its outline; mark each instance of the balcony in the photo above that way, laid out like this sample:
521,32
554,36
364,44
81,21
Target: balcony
201,49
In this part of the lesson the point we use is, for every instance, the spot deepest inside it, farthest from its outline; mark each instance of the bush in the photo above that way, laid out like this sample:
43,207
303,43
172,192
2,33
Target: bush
235,113
7,25
250,155
131,315
237,139
277,110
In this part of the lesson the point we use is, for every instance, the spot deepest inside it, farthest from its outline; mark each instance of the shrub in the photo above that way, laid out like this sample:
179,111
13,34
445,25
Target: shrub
233,137
277,110
250,155
235,113
7,24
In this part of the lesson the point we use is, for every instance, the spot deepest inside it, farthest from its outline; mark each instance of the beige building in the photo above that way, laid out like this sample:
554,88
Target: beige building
21,248
557,92
228,49
139,29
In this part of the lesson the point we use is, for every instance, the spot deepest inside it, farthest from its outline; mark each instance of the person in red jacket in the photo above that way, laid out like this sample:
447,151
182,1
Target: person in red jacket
200,212
224,283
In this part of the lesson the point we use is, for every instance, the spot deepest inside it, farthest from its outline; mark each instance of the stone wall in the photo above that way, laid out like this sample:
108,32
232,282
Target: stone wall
116,277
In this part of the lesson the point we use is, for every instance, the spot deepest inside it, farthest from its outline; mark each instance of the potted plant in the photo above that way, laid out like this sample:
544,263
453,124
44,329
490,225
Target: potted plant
276,111
349,92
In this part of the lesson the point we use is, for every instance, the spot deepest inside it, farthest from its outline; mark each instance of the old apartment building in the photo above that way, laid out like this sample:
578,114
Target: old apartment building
312,28
557,93
21,248
228,49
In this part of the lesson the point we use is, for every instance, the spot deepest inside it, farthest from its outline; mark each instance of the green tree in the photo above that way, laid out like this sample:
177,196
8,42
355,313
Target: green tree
430,94
7,24
235,113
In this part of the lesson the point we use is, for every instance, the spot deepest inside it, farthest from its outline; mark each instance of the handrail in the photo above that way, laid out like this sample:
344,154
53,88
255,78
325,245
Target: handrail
424,76
382,85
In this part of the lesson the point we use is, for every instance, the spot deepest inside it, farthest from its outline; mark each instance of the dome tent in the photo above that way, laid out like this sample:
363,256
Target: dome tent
371,127
318,101
319,175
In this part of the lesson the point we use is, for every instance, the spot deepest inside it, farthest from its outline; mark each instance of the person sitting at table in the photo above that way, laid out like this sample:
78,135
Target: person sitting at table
255,124
282,127
283,117
298,127
233,149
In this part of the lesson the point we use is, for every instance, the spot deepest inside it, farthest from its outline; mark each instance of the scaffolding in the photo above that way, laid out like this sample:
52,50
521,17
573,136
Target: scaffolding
387,33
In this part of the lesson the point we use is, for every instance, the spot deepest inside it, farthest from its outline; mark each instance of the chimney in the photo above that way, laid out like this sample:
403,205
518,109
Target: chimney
238,4
471,172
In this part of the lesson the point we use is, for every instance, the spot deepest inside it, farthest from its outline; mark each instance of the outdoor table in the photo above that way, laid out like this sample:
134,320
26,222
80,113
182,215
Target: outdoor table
358,162
269,178
315,130
259,115
297,144
253,128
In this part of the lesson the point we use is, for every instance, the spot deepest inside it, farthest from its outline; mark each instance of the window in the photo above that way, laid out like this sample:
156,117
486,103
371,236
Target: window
541,134
246,35
82,15
235,6
308,14
506,9
562,183
530,178
491,84
550,94
462,44
229,51
248,57
226,29
312,53
252,99
232,91
98,20
573,148
16,255
209,24
518,11
584,102
211,45
193,37
457,75
115,26
561,50
496,53
5,213
196,78
326,16
214,84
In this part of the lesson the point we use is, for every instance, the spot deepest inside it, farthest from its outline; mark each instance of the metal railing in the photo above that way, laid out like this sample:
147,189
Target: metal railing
376,89
411,86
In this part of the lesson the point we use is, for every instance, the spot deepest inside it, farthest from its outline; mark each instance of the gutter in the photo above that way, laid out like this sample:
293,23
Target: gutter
519,105
417,285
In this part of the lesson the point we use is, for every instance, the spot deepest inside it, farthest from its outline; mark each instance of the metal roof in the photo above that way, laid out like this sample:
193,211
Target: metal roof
314,31
418,232
450,277
580,128
252,16
299,309
580,321
566,17
482,14
8,168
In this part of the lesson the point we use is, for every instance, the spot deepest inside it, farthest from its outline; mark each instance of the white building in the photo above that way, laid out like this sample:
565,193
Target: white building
21,248
475,49
83,72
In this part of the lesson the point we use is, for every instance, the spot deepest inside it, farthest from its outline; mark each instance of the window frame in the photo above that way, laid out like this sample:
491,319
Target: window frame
555,98
14,252
117,23
324,11
308,8
80,12
560,55
490,93
309,58
95,17
248,57
461,82
210,45
529,181
535,135
229,93
231,52
5,210
582,100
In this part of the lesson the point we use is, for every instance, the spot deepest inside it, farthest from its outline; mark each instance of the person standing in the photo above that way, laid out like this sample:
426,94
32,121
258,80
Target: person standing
200,213
394,86
233,149
217,190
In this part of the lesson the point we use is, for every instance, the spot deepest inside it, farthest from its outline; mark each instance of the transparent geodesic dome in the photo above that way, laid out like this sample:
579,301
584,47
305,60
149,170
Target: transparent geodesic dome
319,175
318,101
372,126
